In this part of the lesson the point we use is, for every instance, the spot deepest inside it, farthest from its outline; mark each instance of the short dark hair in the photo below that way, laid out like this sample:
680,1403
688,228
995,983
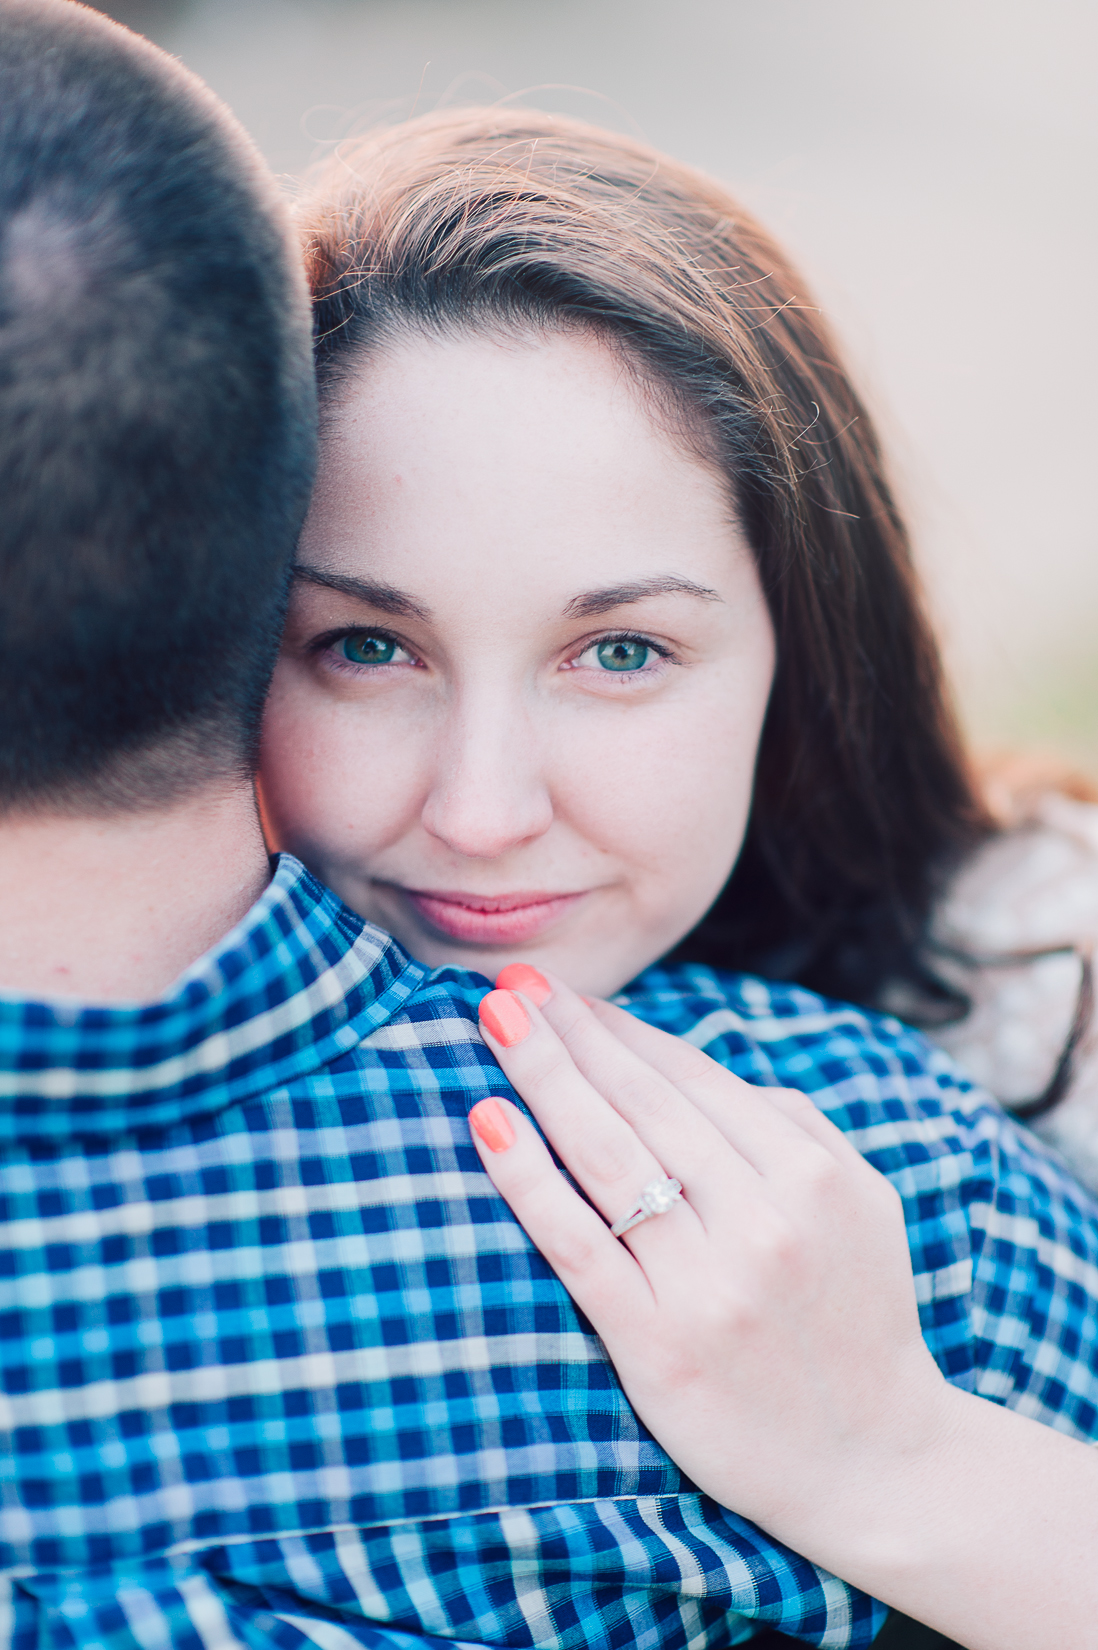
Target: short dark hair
157,420
863,797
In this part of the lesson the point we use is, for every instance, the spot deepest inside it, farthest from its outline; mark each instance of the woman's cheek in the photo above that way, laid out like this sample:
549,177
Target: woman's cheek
639,788
326,773
692,812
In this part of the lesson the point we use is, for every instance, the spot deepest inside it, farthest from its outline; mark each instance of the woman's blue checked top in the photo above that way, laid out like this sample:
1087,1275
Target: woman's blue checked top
280,1369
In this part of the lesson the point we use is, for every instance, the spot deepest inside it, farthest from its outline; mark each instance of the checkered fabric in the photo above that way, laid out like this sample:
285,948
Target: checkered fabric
280,1369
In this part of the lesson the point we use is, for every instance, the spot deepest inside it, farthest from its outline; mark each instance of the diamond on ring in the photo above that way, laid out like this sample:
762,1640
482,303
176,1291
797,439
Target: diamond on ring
655,1199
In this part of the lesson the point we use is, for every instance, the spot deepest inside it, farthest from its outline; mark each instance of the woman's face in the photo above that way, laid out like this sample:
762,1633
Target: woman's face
526,664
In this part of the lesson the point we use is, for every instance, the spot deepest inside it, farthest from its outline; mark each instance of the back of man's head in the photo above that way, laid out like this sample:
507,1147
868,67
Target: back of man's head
156,421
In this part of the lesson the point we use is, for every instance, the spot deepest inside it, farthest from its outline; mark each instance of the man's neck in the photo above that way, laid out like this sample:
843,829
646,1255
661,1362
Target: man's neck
113,909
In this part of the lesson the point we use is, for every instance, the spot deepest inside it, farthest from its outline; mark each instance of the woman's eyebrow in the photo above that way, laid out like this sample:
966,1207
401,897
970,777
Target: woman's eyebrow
385,597
619,595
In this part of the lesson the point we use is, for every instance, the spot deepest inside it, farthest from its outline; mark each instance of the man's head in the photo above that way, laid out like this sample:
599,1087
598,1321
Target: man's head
156,421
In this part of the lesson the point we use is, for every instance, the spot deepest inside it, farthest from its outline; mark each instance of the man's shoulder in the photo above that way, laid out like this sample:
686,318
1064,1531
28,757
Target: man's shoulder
905,1104
785,1030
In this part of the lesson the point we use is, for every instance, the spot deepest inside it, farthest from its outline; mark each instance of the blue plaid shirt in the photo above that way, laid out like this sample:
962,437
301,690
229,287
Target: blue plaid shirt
281,1370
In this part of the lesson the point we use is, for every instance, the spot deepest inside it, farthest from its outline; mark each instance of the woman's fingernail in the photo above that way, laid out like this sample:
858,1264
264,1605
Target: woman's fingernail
503,1015
521,977
491,1122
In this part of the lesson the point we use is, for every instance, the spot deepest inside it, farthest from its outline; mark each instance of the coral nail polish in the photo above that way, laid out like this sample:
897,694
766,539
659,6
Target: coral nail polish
491,1122
503,1015
521,977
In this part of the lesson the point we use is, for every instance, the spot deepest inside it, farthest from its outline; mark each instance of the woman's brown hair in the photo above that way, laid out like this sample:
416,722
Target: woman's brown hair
490,218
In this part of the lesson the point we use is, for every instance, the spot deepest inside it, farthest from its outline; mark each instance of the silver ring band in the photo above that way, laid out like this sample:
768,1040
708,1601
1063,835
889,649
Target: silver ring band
655,1199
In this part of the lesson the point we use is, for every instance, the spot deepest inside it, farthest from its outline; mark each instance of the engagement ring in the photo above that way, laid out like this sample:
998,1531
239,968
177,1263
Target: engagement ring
655,1199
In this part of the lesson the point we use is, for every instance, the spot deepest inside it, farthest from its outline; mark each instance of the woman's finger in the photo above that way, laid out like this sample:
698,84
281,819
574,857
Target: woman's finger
605,1155
711,1087
650,1083
591,1125
602,1276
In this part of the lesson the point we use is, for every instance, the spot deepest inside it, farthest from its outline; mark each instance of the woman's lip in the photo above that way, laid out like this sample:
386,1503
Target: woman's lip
489,919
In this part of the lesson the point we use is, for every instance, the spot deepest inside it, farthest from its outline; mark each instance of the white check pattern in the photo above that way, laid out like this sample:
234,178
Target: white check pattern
279,1368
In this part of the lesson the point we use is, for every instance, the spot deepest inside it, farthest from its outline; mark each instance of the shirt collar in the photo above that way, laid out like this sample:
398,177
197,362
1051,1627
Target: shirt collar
299,981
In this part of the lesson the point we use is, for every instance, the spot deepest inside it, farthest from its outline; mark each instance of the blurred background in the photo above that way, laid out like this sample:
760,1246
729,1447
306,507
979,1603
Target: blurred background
931,166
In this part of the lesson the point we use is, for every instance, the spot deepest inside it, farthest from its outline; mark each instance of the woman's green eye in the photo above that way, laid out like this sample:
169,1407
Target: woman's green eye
364,648
622,653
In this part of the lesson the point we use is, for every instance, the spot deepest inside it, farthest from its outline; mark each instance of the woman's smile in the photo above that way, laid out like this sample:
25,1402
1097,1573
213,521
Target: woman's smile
487,919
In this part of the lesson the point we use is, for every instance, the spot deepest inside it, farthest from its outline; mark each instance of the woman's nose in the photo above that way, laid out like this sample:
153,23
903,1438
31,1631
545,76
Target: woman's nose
489,794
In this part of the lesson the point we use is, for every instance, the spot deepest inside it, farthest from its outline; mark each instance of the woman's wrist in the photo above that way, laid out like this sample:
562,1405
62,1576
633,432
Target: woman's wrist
976,1520
893,1485
871,1504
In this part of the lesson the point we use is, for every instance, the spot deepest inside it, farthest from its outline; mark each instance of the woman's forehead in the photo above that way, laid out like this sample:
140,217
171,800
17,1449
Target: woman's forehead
479,456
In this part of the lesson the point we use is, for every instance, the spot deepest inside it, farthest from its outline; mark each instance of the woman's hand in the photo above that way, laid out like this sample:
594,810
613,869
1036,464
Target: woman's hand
765,1328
